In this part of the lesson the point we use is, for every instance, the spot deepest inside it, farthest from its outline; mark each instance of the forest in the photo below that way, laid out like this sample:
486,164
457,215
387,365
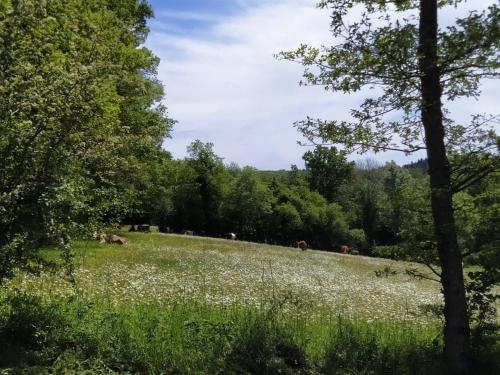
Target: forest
83,119
382,210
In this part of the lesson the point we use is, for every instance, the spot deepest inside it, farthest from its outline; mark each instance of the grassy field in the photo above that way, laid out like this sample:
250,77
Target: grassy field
190,305
156,268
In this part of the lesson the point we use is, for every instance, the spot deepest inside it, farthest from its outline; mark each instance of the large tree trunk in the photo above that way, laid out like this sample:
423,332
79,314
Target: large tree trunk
456,332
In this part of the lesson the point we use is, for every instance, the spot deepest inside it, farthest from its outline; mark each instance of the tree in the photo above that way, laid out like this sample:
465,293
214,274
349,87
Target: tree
286,222
247,207
398,47
301,214
368,196
198,196
327,169
80,113
399,187
152,189
296,176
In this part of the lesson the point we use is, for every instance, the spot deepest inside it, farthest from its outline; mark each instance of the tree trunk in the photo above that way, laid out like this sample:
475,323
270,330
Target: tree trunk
456,331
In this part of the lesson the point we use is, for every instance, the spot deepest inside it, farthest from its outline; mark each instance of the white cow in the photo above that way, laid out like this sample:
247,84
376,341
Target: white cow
230,236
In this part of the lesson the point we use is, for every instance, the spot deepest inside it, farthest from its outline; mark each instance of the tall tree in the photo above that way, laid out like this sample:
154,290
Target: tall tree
248,206
327,169
398,186
79,113
206,187
398,47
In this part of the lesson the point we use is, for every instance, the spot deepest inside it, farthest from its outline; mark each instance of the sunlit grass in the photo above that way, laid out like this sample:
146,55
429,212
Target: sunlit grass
162,269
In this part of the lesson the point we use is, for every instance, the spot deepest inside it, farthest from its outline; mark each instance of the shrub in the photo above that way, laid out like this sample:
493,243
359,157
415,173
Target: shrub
34,334
389,252
357,239
360,349
263,347
78,336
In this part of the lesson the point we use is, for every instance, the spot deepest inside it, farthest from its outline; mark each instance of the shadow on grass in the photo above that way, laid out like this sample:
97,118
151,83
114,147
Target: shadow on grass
33,334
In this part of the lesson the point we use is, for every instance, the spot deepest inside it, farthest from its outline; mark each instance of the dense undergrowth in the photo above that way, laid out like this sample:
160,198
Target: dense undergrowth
76,336
80,336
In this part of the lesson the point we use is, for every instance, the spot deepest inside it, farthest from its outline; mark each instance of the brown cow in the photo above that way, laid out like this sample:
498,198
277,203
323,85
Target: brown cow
345,249
114,239
301,245
118,240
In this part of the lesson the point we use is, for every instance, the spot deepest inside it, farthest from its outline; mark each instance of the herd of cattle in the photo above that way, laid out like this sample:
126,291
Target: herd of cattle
145,228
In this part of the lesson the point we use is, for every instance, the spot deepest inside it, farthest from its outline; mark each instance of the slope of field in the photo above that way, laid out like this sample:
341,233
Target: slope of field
156,268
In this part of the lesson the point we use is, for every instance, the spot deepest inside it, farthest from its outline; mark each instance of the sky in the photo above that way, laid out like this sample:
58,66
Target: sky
224,85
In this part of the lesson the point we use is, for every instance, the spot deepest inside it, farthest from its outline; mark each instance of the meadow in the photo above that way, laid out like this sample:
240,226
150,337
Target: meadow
181,305
162,269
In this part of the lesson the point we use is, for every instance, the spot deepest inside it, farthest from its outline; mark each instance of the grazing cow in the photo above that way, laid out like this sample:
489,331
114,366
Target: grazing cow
354,252
103,238
145,228
188,232
301,245
118,240
230,236
114,239
345,249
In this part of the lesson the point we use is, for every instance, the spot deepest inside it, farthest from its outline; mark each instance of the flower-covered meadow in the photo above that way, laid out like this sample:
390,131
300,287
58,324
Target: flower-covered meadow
166,269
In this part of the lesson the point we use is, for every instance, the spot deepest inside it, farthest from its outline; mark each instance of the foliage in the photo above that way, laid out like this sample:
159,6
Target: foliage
366,352
248,205
263,347
365,196
327,169
198,194
79,118
416,66
378,49
189,337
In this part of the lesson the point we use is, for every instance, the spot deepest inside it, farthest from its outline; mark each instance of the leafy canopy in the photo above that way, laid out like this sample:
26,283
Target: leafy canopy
376,47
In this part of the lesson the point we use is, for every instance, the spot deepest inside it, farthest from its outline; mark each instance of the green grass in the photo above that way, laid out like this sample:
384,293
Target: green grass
155,268
78,335
188,305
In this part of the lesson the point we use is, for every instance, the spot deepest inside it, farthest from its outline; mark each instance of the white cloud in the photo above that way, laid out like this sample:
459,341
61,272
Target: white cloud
226,87
186,16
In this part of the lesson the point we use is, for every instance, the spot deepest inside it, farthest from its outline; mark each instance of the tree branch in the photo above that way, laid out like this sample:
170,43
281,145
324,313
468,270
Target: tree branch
421,276
368,145
472,179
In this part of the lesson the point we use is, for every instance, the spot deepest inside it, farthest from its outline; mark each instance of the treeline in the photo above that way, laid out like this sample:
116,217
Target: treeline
201,194
376,208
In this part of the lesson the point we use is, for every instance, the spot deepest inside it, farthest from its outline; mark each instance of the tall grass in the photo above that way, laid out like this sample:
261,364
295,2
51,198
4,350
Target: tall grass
73,336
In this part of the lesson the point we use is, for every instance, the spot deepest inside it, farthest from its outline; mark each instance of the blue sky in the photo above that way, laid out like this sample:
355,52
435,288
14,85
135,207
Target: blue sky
223,84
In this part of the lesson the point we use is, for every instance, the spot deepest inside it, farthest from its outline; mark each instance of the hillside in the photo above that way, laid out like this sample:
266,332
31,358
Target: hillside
165,268
178,304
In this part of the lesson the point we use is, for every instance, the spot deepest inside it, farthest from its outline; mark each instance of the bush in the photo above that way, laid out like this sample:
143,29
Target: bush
359,349
389,252
263,347
78,336
357,239
34,334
